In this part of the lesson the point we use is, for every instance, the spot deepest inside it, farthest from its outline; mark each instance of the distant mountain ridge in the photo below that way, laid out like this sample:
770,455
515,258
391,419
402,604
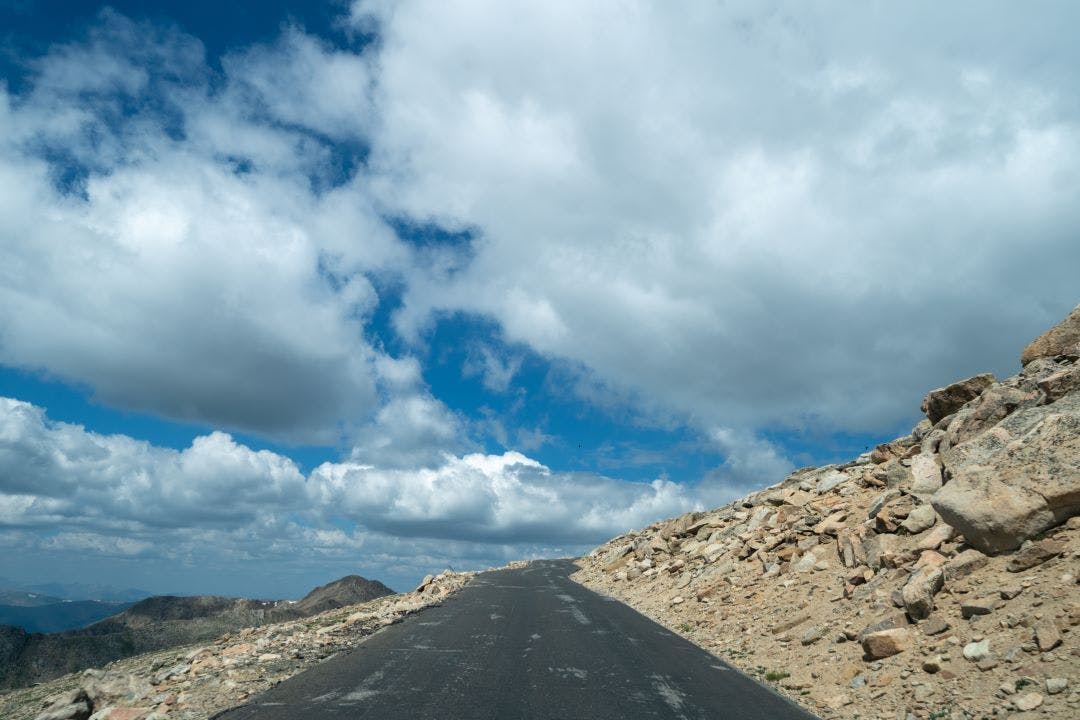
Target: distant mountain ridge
159,622
58,615
82,591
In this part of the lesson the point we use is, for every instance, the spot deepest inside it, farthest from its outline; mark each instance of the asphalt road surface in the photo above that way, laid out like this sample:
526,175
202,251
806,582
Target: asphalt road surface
522,644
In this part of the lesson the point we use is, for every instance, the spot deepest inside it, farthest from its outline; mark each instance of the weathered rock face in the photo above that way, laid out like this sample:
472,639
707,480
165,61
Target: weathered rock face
848,570
943,402
1015,480
1063,339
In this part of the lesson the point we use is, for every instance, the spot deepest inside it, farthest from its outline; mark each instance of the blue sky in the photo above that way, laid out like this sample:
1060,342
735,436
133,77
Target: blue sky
322,288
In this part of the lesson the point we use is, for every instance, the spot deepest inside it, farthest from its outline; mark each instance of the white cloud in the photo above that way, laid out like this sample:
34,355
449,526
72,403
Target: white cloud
177,284
736,217
65,489
752,216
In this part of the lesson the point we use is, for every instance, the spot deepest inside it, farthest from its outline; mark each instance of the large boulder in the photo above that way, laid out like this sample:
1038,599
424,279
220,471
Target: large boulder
1062,339
994,405
944,401
1016,479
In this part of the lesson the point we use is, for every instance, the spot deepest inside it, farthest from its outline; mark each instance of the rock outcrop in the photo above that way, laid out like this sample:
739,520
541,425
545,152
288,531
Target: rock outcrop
935,576
1062,340
1017,479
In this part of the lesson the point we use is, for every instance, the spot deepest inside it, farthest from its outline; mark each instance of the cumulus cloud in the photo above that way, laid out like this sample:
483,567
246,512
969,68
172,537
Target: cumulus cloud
196,264
64,488
735,217
749,215
59,473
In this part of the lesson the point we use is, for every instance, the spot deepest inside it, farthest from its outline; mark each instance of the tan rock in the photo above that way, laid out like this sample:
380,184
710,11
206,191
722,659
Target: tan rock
933,625
885,643
1056,685
238,649
1061,383
1034,554
1016,480
73,705
1062,339
935,536
918,592
881,550
926,474
945,401
788,624
1046,635
832,524
965,563
979,606
1028,701
921,518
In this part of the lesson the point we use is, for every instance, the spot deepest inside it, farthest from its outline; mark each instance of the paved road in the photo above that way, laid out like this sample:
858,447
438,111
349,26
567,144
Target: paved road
522,644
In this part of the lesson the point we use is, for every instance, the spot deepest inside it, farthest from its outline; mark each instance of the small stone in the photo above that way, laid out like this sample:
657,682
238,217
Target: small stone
1028,701
812,635
885,643
678,600
805,564
788,624
918,592
923,692
934,625
921,518
1059,384
932,665
981,606
987,663
1009,592
838,701
975,651
1056,685
1034,554
74,705
965,563
1047,635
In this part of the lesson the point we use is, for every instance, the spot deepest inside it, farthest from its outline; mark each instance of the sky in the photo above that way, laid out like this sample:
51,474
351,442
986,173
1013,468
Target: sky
292,290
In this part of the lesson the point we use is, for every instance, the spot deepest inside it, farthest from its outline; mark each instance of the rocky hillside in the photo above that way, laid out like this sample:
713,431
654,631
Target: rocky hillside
195,682
935,577
161,622
349,590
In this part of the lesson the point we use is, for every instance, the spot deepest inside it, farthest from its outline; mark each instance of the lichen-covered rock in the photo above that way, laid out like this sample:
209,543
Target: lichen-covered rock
1015,480
1059,384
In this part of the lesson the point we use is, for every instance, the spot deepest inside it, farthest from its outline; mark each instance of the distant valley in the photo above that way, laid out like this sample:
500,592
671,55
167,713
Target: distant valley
45,614
154,623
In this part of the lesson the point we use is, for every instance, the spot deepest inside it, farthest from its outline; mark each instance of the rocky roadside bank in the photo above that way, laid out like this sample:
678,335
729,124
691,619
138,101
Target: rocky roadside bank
935,577
196,682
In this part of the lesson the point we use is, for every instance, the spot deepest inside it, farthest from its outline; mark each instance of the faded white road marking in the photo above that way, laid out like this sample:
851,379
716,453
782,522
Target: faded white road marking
668,692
